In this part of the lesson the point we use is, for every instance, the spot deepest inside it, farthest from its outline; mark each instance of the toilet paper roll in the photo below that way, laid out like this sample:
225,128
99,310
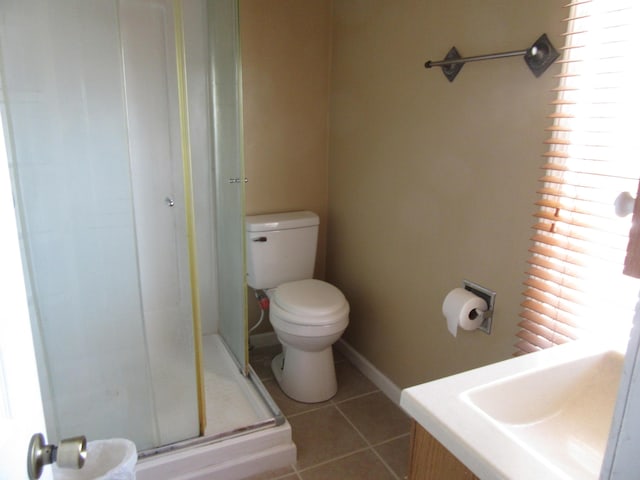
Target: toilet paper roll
463,309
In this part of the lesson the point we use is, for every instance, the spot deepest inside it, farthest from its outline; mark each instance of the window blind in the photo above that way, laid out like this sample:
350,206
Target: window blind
574,281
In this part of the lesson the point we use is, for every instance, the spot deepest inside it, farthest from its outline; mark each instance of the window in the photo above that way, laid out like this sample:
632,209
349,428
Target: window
575,284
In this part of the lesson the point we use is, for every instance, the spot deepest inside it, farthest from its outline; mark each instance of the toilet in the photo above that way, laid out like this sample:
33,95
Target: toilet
307,315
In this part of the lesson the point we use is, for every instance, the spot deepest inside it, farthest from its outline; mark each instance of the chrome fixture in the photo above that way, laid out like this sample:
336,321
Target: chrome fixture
488,296
237,180
538,58
71,453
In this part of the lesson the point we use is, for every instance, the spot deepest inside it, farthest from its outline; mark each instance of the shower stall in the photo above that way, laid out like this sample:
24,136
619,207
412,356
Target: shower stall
122,125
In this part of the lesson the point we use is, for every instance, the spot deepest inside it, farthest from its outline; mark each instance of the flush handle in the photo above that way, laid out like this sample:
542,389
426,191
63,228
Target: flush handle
259,239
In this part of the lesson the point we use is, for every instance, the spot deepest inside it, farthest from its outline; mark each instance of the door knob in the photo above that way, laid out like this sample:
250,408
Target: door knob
71,453
624,204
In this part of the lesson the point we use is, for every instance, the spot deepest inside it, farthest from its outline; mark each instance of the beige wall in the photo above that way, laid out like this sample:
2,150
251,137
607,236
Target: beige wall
285,59
432,182
285,46
429,182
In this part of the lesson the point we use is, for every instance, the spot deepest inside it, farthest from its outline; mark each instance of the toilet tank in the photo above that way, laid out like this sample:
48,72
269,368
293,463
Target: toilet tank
281,247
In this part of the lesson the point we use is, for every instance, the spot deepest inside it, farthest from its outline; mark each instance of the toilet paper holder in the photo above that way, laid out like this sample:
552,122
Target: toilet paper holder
488,296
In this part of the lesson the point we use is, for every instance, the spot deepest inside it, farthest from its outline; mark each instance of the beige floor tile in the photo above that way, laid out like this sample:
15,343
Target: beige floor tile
323,434
260,360
338,356
359,466
396,454
376,417
351,382
289,406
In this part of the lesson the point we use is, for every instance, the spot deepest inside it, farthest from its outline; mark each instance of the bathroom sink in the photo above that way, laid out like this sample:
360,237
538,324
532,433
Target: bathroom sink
542,415
568,410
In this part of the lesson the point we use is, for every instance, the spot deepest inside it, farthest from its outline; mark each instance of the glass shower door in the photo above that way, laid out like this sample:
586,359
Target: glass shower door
224,47
93,137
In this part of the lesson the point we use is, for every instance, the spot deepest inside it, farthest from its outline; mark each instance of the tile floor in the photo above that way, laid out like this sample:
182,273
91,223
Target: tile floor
358,434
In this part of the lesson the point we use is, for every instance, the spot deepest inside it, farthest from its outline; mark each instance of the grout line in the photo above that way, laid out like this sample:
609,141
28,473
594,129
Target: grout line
338,402
391,439
368,443
369,446
332,402
296,471
333,459
311,409
395,475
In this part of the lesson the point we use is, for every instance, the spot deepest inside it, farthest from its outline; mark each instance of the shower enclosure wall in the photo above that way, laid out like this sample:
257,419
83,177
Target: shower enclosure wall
113,114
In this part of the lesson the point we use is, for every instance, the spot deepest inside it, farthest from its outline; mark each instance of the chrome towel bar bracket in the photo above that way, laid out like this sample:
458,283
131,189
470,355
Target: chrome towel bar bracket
538,58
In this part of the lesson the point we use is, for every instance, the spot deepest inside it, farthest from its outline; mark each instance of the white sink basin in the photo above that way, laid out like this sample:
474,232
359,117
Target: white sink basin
568,410
544,415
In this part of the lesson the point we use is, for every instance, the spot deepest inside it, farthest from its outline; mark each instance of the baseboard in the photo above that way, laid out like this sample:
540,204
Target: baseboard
380,380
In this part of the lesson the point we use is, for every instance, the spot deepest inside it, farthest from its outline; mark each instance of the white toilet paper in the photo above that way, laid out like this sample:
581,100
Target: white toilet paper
463,309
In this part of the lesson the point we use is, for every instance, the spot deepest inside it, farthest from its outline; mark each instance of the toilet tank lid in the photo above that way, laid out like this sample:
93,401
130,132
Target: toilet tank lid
313,298
280,221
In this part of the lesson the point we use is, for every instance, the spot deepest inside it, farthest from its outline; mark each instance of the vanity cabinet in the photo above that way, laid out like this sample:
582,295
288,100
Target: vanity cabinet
429,460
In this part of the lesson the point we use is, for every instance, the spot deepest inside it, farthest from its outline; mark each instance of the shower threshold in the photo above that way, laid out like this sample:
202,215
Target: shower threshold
246,433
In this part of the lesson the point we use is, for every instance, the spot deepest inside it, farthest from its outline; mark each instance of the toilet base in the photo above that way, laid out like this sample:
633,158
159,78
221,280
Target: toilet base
308,377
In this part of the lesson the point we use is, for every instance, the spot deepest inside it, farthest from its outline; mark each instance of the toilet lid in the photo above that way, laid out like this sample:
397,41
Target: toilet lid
309,298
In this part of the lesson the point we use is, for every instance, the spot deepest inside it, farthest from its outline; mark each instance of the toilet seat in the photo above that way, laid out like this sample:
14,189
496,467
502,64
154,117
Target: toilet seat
309,302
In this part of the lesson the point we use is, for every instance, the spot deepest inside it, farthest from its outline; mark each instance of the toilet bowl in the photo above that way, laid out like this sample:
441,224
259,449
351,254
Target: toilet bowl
308,317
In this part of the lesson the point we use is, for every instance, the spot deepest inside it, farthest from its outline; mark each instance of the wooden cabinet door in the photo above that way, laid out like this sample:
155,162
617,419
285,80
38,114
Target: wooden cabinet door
430,460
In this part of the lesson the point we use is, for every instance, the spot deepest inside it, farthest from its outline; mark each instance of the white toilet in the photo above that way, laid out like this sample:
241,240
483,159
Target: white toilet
307,315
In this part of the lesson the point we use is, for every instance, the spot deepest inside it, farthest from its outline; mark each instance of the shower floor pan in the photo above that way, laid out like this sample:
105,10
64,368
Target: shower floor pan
245,434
